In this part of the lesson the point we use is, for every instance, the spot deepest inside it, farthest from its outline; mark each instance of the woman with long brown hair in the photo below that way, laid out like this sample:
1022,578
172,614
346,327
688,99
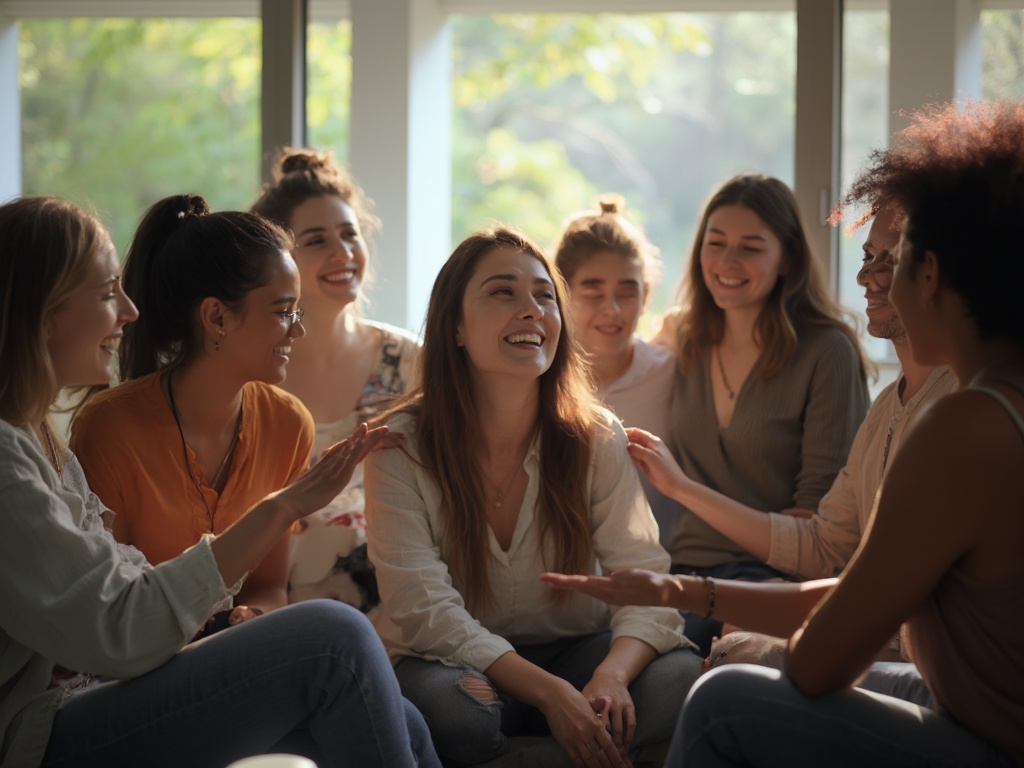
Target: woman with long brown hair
771,388
510,468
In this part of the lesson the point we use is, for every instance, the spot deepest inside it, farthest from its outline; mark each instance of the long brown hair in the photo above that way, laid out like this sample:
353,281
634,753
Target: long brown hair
798,302
48,247
448,434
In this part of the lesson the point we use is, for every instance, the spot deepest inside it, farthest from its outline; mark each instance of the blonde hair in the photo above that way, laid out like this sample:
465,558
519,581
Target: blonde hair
48,248
587,233
448,437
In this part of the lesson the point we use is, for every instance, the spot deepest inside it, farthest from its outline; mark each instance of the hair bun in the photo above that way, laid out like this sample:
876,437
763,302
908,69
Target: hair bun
611,204
188,206
298,160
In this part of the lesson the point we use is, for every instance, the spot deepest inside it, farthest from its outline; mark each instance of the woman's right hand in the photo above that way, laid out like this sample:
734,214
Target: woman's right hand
580,730
656,461
318,485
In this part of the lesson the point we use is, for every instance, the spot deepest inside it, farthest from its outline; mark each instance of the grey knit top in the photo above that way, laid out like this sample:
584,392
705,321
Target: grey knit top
788,438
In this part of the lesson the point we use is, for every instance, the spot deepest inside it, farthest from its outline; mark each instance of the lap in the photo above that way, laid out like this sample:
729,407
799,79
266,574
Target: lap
746,715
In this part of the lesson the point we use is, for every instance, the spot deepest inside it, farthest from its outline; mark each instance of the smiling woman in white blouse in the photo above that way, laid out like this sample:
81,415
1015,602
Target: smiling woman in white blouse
509,468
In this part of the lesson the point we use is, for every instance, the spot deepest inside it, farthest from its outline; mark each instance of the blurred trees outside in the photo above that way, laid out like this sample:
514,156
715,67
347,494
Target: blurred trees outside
549,111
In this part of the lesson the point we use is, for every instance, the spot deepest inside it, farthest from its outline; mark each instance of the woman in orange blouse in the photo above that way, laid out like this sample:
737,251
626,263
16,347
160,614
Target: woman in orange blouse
198,433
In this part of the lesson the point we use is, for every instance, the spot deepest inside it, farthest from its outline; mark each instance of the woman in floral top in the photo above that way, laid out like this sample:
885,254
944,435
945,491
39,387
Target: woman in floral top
348,368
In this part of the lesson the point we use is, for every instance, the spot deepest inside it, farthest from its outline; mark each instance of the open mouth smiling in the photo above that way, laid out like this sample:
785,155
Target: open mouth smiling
528,339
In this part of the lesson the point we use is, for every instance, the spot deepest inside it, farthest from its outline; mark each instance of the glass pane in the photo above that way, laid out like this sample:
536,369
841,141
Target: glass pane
329,85
118,113
553,110
865,126
1002,54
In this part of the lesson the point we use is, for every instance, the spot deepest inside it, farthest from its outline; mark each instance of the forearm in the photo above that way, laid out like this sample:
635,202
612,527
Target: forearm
242,546
627,658
266,597
523,681
771,608
748,527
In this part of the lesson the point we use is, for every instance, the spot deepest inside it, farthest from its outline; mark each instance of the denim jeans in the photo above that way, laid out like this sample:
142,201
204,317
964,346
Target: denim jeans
899,679
744,715
702,631
310,679
467,731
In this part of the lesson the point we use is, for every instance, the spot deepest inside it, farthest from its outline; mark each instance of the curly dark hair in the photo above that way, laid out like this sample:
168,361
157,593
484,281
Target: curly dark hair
957,174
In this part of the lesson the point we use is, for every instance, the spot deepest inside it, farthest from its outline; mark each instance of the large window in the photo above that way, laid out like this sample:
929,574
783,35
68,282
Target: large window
329,84
552,110
117,113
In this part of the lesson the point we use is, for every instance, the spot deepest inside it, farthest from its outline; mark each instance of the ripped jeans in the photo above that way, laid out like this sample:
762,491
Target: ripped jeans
468,730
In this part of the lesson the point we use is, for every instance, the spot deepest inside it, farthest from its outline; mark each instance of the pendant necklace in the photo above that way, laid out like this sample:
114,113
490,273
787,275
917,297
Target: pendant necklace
499,495
721,370
184,451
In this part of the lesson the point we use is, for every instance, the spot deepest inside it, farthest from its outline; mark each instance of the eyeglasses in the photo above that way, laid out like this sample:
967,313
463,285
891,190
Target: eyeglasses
291,316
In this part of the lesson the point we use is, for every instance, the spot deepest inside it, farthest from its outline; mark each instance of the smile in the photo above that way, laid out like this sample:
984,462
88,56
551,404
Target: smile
110,344
730,282
283,351
342,276
534,339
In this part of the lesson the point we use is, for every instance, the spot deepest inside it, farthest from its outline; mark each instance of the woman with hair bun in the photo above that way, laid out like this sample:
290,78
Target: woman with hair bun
611,267
347,369
198,432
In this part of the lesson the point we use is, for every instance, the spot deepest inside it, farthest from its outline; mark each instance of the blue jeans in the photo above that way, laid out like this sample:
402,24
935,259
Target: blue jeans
310,679
467,731
702,631
744,715
899,679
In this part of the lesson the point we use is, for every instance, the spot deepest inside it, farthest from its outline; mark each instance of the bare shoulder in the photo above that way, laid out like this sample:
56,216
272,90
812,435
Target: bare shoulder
957,477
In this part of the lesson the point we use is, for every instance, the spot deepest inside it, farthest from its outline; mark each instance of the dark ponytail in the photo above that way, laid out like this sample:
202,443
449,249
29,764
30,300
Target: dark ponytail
181,254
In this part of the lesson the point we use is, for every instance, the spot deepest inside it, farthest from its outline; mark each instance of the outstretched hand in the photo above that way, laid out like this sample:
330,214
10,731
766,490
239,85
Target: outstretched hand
316,487
656,461
627,587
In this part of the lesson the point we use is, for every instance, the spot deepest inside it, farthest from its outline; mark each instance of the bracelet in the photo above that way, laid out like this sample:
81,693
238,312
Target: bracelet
710,584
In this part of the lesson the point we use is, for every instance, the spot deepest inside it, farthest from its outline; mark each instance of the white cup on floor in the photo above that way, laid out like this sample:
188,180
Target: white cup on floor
274,761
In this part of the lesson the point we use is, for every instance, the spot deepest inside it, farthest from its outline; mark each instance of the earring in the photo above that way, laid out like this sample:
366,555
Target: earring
216,342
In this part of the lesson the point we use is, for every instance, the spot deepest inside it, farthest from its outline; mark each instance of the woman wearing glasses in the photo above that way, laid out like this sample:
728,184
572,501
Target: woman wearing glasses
197,432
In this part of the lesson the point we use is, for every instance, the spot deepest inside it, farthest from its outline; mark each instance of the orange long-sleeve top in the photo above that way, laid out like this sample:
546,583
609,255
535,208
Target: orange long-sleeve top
129,445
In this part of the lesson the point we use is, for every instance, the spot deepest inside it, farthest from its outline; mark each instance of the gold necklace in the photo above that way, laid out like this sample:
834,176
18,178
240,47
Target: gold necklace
721,370
50,448
499,495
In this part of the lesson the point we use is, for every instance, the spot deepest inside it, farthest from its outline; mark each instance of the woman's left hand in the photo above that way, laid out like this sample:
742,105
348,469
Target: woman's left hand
610,698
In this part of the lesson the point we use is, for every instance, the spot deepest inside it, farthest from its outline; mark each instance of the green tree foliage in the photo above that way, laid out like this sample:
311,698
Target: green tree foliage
118,113
550,111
